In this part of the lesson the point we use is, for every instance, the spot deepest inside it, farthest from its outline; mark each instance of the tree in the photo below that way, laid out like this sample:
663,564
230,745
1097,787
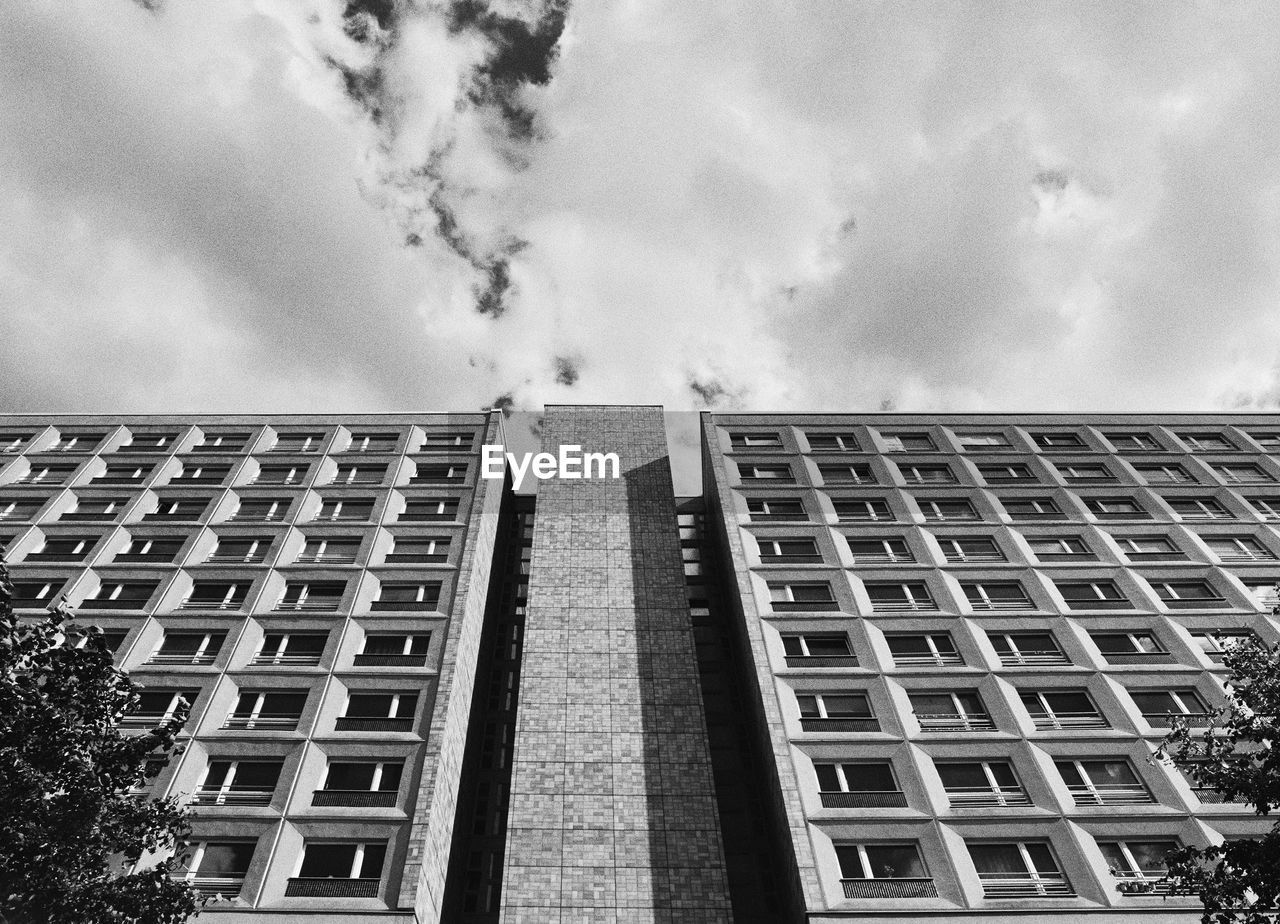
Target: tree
70,827
1238,881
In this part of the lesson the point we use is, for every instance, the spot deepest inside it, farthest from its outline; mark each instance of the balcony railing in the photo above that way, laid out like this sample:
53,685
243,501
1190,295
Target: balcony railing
416,558
804,606
821,661
195,660
264,721
889,888
1210,796
987,605
851,724
121,603
1109,794
428,604
928,660
389,660
299,887
326,560
1032,658
1138,657
903,606
1169,555
1165,719
327,605
224,605
985,796
945,722
1099,604
145,719
864,799
1064,720
1024,885
1142,884
373,723
217,886
233,796
286,660
354,798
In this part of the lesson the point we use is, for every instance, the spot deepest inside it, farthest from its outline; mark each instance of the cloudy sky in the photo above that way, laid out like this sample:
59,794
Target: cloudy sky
308,205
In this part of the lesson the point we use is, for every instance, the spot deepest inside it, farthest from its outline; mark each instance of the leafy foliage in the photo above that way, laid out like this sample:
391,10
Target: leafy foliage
1238,881
69,825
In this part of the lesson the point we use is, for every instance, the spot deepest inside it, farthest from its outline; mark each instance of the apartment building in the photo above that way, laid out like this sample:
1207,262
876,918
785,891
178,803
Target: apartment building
883,666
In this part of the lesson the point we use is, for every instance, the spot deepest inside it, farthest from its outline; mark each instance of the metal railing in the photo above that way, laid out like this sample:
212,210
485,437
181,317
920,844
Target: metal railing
1032,658
1064,720
233,796
903,606
300,887
389,660
889,888
1165,719
355,798
283,660
975,722
864,799
373,723
822,661
204,658
818,724
427,604
985,796
1025,885
276,721
217,886
1109,794
1138,657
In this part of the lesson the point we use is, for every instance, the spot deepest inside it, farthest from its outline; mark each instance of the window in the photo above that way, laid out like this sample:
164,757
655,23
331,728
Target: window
351,509
1102,782
218,868
120,595
239,782
87,508
440,440
32,592
434,509
374,442
1060,548
1141,863
12,441
883,871
216,595
1157,704
323,596
282,474
1168,473
936,650
294,648
991,595
832,442
1052,441
394,650
879,550
268,510
755,441
1012,473
927,474
1184,594
440,474
1207,442
1199,508
818,649
378,712
1238,548
799,596
339,550
862,510
1031,508
1134,442
1082,473
959,549
1063,709
1240,473
846,474
1021,869
788,550
201,474
765,509
908,442
364,784
48,474
1216,643
1149,548
1130,647
861,785
981,784
406,596
1116,508
157,706
339,870
150,442
1268,440
943,510
64,549
1086,595
891,598
433,550
179,509
839,712
759,472
1026,649
950,712
241,549
1267,507
12,510
360,474
197,648
267,709
1265,595
77,442
298,442
222,442
124,474
983,442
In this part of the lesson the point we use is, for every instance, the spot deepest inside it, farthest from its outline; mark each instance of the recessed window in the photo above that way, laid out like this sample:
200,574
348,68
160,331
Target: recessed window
997,595
784,551
1061,548
1082,473
1167,473
1218,642
1238,548
981,784
258,710
836,712
1267,507
216,595
832,442
394,649
13,509
222,442
1092,594
1027,649
1199,508
48,474
871,509
158,705
923,650
765,509
951,712
908,442
883,871
378,712
1159,706
249,550
298,649
374,442
419,550
1269,440
337,550
1031,508
946,509
1241,473
124,474
217,869
298,442
439,440
1021,869
1116,508
440,474
860,785
319,596
755,441
1102,781
68,549
1207,442
150,442
239,782
780,473
879,550
120,595
802,595
1058,441
1149,548
360,784
958,549
1134,442
846,474
1011,473
31,592
13,441
343,870
265,509
86,508
196,648
282,474
77,442
983,442
1062,709
350,509
424,595
818,649
1134,861
201,474
179,509
431,509
927,474
894,598
1130,647
360,474
1182,594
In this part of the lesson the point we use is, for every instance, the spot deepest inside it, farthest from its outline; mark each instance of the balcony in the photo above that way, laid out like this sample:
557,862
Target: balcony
373,723
1142,884
990,605
219,605
821,661
145,719
354,798
1099,604
1025,885
809,559
986,796
286,660
1210,796
122,603
1138,657
403,605
233,796
390,660
1032,658
262,722
331,888
416,558
1165,555
1110,794
928,660
859,724
889,888
1195,603
203,659
903,606
1065,720
224,887
1193,719
864,799
329,605
944,722
804,606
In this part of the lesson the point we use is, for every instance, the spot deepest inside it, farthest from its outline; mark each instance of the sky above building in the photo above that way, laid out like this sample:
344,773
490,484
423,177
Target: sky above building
313,205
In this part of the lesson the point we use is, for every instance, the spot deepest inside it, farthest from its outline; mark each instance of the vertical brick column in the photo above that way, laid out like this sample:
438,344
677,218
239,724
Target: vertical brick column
612,814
